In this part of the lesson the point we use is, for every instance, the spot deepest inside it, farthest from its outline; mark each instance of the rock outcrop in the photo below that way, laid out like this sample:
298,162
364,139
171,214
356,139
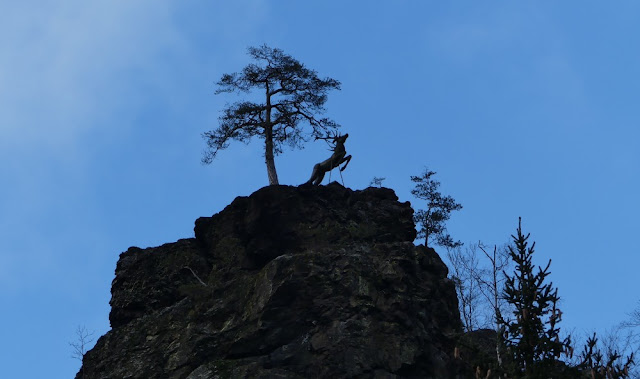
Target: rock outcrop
290,282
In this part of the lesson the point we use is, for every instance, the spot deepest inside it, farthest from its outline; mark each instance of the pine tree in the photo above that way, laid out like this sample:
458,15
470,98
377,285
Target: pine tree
431,221
291,94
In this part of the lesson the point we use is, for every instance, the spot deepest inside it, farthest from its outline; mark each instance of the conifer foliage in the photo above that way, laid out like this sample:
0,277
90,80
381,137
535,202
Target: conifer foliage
431,221
599,365
288,95
532,336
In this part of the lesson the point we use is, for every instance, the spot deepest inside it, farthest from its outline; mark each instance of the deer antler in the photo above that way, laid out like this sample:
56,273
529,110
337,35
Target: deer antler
336,142
330,139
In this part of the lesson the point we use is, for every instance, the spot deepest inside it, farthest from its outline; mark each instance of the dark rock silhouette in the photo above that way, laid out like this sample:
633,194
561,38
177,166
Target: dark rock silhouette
301,282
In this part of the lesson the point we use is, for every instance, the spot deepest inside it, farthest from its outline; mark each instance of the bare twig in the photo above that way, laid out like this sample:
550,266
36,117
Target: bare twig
196,276
81,345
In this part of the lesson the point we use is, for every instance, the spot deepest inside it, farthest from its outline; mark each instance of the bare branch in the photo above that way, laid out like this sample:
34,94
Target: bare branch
80,346
196,276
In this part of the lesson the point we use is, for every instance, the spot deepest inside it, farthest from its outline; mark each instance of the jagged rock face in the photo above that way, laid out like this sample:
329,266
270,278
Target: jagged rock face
301,282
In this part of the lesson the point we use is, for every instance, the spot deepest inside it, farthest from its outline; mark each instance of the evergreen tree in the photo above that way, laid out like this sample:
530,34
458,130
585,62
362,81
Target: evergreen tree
431,221
376,181
532,336
608,365
290,94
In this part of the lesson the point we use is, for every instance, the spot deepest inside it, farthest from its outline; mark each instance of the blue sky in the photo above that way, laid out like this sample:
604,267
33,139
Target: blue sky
523,108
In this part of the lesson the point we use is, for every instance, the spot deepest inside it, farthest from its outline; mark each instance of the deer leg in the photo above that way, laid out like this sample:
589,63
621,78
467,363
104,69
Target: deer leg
319,177
313,174
345,159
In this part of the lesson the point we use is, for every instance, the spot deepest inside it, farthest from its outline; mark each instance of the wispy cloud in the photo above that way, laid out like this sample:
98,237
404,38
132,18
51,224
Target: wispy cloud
60,61
66,66
75,71
62,72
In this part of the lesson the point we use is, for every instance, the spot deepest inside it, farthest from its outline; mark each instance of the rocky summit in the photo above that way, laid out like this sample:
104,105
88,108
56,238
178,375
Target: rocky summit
290,282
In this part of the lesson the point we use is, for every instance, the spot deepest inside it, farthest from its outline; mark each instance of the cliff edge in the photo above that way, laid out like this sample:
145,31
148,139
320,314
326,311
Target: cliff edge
289,282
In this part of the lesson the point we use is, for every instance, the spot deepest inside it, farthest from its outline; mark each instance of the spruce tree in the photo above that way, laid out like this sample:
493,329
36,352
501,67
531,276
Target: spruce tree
532,337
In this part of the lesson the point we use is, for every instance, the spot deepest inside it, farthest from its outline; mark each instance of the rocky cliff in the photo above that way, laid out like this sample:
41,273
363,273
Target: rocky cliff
290,282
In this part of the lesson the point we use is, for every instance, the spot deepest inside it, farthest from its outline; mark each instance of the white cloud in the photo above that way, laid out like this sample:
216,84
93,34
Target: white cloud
62,71
60,60
72,72
64,66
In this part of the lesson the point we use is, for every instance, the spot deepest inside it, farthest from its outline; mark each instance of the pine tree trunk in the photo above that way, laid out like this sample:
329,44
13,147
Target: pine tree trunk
268,143
268,157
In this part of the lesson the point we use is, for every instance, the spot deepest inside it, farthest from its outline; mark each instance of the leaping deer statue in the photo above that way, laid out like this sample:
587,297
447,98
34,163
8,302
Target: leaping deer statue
336,159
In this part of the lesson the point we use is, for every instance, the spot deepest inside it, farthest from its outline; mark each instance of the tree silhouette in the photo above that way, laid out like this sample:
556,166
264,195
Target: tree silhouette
290,94
81,346
532,336
376,181
431,221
